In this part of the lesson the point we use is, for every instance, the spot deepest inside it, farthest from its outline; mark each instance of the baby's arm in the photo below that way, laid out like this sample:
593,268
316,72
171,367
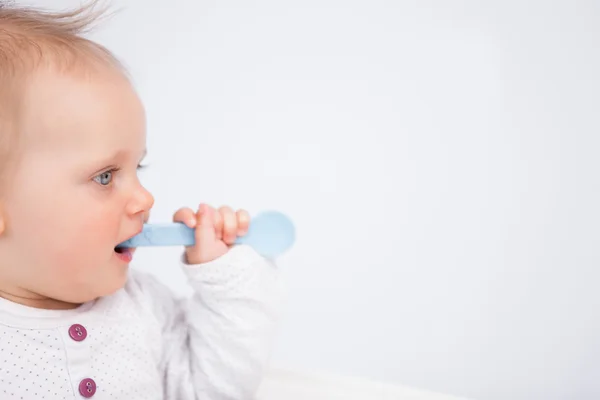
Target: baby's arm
217,343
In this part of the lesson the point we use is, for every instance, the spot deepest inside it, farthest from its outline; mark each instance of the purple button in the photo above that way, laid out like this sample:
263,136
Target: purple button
87,387
77,332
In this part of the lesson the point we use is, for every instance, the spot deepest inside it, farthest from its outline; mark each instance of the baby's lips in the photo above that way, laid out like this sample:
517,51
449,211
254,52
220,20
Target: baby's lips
129,238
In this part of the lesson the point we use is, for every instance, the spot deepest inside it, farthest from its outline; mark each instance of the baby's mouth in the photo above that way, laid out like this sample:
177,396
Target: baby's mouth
122,248
124,254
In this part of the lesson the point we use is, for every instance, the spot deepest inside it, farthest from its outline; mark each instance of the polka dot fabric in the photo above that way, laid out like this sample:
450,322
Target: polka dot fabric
32,365
118,349
144,343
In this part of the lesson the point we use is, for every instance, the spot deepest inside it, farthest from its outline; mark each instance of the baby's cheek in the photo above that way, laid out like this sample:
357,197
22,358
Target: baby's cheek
88,237
99,226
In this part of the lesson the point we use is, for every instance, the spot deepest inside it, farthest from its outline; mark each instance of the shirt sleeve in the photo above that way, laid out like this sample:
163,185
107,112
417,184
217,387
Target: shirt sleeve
217,342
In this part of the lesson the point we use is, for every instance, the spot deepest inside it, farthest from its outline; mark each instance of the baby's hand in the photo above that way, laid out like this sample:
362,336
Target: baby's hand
216,231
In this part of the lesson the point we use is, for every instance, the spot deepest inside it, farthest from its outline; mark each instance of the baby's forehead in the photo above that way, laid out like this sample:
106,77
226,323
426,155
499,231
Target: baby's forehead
93,108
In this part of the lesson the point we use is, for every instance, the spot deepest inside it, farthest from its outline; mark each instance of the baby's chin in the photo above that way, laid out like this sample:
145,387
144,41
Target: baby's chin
110,287
94,291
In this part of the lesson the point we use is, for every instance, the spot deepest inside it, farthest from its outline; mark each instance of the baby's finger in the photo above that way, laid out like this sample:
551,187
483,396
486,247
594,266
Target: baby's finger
229,225
243,219
205,226
185,215
218,225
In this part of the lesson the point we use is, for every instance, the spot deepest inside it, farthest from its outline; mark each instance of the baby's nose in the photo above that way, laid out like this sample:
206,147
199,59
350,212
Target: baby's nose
148,200
146,216
141,202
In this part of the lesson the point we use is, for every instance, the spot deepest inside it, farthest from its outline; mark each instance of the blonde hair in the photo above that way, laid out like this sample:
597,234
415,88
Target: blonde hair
34,38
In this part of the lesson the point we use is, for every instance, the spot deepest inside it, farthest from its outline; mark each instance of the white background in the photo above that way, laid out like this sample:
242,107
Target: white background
438,157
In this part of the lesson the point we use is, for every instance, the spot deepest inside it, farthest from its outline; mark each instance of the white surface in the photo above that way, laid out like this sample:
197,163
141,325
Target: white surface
303,385
440,160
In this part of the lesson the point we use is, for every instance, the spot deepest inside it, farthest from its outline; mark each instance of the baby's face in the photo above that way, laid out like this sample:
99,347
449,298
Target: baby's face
76,193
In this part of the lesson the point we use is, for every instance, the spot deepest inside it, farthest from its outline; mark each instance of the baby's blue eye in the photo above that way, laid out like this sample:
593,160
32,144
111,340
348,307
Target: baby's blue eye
104,178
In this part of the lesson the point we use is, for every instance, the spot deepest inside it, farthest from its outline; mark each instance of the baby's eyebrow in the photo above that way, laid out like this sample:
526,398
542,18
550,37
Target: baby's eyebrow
118,157
113,159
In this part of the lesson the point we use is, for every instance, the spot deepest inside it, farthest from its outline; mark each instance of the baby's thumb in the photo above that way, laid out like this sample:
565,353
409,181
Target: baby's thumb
185,215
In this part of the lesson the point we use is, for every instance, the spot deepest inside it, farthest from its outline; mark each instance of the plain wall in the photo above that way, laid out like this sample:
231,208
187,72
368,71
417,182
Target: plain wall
440,160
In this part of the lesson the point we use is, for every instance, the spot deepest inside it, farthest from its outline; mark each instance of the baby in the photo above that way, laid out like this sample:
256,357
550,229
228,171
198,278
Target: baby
75,321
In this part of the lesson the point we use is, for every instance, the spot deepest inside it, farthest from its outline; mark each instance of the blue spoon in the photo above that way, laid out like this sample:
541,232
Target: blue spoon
270,233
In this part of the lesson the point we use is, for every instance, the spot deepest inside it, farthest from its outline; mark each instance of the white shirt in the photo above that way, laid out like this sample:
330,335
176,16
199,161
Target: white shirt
144,343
